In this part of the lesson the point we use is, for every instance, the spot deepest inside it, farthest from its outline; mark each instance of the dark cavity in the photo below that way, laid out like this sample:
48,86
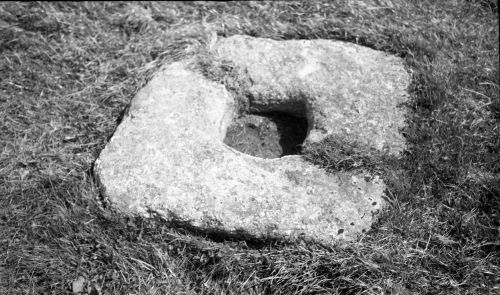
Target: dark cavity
267,135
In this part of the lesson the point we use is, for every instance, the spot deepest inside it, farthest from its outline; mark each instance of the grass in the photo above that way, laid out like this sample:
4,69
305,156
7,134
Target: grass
67,71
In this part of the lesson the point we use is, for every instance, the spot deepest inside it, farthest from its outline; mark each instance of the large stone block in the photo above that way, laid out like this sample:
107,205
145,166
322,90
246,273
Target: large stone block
168,155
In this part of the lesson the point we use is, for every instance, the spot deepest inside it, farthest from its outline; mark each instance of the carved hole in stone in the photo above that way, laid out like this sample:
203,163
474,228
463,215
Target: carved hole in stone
267,134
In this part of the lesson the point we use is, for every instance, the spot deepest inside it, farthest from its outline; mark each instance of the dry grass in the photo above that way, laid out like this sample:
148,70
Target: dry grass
67,70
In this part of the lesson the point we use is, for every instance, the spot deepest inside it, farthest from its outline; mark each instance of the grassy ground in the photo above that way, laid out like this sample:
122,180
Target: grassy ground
67,70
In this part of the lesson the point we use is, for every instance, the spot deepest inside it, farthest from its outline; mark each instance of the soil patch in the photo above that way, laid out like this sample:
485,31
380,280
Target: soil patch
267,135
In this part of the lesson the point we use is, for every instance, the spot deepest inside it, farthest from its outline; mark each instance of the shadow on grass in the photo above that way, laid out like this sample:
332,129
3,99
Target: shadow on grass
217,234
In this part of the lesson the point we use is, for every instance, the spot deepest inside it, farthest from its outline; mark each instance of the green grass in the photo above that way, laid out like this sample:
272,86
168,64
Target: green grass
67,71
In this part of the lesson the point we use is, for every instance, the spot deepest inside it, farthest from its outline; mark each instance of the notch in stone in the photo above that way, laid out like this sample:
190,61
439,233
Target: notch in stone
267,134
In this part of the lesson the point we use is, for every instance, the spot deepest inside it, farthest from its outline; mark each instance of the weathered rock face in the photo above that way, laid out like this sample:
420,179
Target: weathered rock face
168,154
343,89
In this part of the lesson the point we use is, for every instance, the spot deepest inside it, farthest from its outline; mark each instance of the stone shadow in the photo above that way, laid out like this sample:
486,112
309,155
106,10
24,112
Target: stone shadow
267,134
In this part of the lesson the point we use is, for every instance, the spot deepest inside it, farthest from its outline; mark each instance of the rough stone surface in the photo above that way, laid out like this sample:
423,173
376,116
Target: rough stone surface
347,90
168,155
